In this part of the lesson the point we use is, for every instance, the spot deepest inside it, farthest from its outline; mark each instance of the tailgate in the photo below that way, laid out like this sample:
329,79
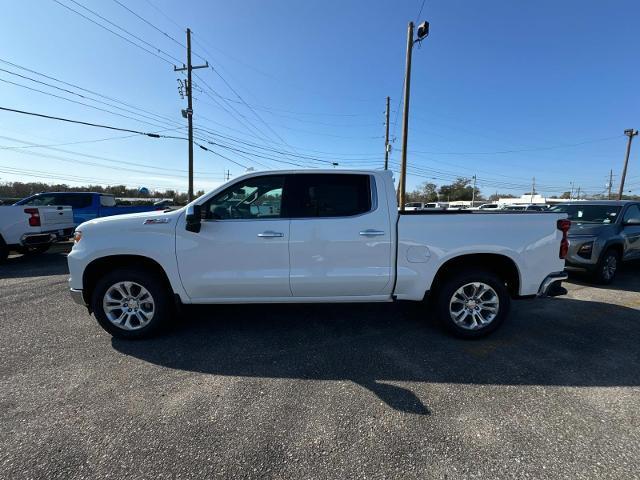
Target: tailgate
56,217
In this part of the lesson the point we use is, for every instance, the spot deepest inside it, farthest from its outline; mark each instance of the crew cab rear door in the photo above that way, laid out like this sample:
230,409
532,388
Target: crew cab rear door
340,236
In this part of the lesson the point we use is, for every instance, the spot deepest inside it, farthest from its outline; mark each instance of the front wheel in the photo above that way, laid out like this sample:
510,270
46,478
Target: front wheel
131,303
472,304
607,267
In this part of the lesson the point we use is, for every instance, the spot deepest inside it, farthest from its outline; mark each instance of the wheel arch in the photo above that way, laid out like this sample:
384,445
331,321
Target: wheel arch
616,245
502,265
100,266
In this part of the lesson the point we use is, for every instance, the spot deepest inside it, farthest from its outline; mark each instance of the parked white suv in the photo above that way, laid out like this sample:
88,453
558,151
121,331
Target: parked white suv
312,236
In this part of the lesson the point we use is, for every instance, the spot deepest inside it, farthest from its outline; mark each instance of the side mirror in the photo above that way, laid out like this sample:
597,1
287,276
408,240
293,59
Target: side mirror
194,218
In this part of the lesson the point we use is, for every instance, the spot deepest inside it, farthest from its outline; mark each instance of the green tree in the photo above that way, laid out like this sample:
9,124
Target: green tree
460,189
427,192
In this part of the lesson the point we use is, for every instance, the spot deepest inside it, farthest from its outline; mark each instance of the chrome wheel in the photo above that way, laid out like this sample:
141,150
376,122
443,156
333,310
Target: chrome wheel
474,305
128,305
609,267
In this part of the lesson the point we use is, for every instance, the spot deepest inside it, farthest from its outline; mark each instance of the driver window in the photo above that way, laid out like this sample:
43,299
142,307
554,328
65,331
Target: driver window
253,198
633,213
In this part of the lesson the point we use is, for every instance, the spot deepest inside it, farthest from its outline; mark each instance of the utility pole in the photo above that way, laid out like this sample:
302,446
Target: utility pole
386,137
610,184
189,112
629,132
423,31
571,193
578,192
533,189
473,192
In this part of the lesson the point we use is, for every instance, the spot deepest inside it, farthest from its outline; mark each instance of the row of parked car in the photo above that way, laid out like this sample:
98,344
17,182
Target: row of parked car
434,206
33,224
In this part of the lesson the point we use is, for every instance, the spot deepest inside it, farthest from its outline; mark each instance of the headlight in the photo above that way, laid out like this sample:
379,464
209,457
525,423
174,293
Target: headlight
585,250
77,236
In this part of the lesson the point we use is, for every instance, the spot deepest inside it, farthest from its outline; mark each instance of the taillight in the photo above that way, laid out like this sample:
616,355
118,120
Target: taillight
564,225
34,219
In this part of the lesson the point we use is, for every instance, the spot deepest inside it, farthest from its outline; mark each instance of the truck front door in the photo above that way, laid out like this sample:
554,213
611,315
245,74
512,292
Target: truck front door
241,251
631,232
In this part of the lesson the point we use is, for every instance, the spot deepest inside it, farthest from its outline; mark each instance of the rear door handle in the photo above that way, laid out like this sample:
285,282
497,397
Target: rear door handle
270,234
371,233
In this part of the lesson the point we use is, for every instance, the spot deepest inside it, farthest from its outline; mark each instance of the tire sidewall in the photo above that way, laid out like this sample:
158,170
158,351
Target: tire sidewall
600,278
156,288
457,280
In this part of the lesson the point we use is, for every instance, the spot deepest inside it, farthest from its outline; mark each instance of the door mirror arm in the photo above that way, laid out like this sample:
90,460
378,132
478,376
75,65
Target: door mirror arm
193,218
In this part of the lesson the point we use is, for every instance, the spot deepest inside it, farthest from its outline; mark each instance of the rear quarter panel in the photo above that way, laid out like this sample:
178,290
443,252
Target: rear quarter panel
427,242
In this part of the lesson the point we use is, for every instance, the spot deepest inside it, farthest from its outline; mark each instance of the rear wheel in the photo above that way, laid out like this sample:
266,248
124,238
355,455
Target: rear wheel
130,303
607,267
472,304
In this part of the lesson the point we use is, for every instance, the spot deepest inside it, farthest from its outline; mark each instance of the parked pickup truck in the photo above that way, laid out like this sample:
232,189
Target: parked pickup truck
30,229
326,236
86,205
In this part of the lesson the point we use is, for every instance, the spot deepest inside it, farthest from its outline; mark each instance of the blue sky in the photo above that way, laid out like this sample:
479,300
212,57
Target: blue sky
501,89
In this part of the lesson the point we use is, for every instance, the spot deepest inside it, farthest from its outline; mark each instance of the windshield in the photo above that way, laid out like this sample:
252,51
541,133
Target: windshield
589,213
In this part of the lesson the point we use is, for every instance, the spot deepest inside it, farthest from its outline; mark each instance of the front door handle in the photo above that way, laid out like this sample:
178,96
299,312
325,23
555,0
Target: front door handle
270,234
371,233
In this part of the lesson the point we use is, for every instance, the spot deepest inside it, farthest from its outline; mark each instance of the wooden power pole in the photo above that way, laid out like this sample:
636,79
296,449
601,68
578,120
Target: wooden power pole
610,184
386,137
630,132
405,117
188,113
423,31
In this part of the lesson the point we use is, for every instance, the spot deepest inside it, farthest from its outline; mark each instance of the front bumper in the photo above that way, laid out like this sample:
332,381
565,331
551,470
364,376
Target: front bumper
77,296
551,282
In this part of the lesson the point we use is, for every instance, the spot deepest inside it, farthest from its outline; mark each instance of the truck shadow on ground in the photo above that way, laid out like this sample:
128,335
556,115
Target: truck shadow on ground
561,342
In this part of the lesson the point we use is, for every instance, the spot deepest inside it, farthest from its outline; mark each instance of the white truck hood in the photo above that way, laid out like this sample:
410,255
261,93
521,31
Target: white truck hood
126,221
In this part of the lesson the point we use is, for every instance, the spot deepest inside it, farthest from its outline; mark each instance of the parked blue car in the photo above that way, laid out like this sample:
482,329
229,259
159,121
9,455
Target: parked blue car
86,205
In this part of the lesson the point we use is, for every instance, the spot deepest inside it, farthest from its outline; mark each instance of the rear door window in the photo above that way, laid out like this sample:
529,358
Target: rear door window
329,195
75,201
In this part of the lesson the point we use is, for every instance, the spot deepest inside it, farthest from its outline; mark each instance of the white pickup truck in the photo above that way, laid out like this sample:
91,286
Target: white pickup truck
31,229
313,236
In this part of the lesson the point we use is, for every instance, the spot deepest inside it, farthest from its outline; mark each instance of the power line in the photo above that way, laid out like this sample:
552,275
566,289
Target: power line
535,149
151,24
76,101
161,117
113,32
96,157
62,119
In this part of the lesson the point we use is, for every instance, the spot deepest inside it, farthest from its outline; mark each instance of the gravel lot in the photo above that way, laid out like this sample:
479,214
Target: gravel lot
318,391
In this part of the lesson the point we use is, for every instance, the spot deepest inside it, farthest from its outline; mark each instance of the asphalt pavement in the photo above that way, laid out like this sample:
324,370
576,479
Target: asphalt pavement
318,391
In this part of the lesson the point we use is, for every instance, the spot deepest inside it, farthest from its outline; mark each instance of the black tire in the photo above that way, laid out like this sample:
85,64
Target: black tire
446,291
4,250
603,273
160,293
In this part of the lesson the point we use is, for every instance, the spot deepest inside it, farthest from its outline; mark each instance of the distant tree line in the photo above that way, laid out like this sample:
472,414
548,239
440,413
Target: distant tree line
16,190
460,189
